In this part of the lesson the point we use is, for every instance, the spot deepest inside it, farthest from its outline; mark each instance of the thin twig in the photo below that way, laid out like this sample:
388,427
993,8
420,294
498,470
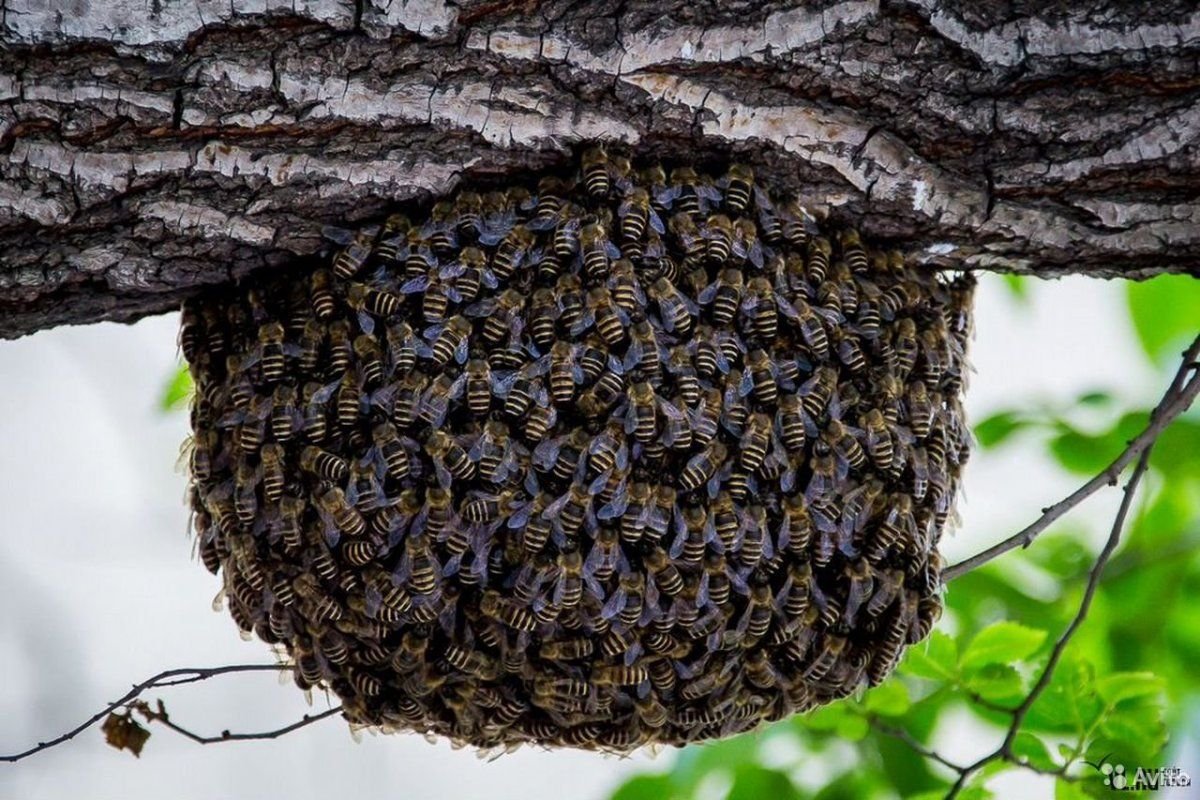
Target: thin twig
1177,399
160,716
170,677
1005,751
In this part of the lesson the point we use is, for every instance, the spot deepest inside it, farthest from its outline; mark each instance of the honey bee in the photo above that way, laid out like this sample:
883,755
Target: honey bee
487,507
569,293
339,515
666,574
370,359
353,257
692,193
370,302
718,234
273,478
817,393
407,402
689,237
701,467
511,252
754,442
539,422
706,418
449,340
365,491
551,191
472,662
500,315
506,612
450,459
291,511
641,419
878,438
841,439
635,213
819,252
349,401
543,314
191,332
610,320
478,387
565,372
596,179
341,352
271,352
745,243
853,251
625,287
570,510
739,183
725,295
597,250
324,464
676,310
920,405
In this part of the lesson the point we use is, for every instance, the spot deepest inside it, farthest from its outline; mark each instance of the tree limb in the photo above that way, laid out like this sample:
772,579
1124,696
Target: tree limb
146,154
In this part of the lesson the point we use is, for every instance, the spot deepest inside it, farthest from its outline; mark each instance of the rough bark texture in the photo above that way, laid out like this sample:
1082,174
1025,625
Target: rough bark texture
148,147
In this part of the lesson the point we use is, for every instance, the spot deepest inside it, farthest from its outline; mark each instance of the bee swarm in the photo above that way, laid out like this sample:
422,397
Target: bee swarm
628,456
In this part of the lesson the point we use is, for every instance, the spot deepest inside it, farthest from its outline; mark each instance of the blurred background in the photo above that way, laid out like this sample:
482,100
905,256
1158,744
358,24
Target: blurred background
100,589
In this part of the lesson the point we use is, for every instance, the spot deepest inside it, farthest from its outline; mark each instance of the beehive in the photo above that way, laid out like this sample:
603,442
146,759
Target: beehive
619,457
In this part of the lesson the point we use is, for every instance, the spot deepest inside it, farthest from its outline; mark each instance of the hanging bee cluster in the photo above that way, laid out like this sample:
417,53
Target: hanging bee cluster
626,457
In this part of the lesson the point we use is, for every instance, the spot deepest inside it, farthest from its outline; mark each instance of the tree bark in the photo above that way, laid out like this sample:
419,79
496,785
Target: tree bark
151,147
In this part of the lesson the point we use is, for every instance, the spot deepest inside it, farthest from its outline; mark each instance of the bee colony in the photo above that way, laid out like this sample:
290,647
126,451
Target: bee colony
623,457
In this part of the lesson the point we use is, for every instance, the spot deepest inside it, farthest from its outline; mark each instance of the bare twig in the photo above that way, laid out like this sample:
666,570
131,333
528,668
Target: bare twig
1177,399
160,716
170,677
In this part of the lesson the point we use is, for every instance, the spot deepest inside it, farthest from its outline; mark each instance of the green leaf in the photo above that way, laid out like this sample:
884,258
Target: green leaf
1033,750
755,783
1069,702
646,787
1095,398
1165,313
993,431
1121,686
889,699
1136,728
1002,643
853,727
1084,454
937,659
1018,287
178,390
996,683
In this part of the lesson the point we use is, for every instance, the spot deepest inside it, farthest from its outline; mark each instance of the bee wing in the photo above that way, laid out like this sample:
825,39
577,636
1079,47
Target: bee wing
341,236
481,309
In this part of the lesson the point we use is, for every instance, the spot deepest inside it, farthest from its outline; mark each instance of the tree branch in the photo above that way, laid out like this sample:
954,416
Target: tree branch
1175,401
143,156
171,677
160,716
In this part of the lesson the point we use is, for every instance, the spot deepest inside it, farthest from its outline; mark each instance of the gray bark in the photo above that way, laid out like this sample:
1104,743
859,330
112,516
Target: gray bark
151,147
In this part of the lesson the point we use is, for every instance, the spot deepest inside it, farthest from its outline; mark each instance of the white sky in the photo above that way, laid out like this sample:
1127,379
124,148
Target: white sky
98,588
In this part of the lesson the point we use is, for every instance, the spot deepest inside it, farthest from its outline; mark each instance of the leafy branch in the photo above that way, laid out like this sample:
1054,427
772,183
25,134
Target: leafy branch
1178,397
123,731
